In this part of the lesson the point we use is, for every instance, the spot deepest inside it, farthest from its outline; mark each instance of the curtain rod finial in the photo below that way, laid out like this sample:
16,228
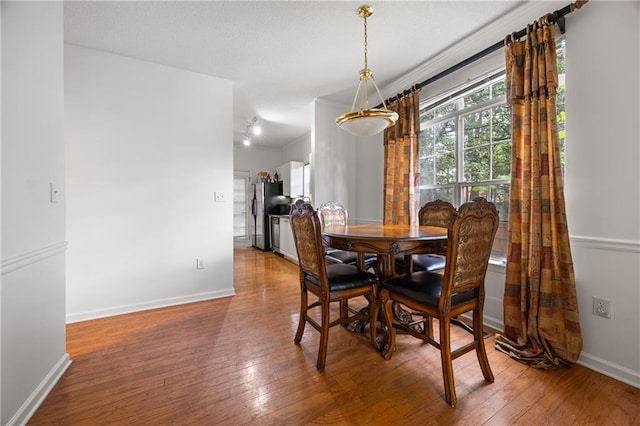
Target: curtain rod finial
578,4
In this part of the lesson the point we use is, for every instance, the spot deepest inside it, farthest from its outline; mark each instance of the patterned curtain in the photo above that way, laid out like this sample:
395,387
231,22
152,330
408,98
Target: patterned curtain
540,304
401,169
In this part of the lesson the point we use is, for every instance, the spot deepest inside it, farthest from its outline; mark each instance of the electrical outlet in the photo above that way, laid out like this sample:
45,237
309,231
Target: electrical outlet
601,307
219,197
199,263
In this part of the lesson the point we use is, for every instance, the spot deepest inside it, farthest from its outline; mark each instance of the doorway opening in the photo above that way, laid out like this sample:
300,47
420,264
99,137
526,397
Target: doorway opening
241,181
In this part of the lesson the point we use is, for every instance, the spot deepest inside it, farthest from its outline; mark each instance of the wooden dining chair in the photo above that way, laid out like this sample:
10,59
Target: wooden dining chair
434,213
459,290
334,213
327,282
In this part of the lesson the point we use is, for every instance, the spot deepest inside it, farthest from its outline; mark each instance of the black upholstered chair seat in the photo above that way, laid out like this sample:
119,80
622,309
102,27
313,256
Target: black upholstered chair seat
424,287
344,277
348,257
422,262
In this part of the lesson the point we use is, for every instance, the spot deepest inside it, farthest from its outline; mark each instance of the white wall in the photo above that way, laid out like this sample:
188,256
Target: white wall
146,148
346,168
298,149
602,183
333,163
370,179
33,354
254,159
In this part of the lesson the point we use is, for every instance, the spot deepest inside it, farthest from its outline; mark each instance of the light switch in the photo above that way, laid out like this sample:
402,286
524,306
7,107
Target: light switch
53,193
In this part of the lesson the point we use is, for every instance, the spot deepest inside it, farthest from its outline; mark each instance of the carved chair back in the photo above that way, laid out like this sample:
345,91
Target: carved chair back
305,225
333,213
437,213
469,247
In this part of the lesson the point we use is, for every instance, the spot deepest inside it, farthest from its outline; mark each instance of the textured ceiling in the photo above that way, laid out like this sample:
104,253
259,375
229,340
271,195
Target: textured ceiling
280,55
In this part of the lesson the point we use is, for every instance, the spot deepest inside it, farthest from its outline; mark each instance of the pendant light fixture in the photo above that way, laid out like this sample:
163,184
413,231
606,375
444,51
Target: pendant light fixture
366,121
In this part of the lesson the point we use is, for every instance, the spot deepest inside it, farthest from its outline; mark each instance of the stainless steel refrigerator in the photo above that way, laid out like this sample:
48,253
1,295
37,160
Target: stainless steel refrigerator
266,197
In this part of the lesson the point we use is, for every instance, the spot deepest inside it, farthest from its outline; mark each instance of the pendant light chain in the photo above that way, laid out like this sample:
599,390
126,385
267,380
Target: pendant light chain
366,66
366,73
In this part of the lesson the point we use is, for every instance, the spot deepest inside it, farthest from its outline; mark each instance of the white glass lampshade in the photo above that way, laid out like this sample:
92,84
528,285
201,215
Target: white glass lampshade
367,122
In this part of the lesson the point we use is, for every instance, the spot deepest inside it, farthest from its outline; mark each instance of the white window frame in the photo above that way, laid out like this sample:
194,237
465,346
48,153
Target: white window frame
458,96
459,91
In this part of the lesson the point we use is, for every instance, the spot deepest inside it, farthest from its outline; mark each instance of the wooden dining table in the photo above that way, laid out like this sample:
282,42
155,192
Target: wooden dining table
386,241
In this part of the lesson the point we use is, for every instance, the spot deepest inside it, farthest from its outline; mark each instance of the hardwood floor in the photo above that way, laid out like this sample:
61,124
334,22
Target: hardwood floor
232,361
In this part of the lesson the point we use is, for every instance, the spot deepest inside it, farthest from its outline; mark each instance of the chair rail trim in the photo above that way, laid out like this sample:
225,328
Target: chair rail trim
25,259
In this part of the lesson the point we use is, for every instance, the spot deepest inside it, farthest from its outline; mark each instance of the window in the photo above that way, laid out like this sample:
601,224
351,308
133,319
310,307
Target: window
465,146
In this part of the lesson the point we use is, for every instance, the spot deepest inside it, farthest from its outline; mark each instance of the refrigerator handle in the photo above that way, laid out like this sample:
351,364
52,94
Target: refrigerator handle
253,207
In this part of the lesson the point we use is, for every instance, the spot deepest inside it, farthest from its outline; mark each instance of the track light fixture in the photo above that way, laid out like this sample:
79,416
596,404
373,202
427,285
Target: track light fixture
252,129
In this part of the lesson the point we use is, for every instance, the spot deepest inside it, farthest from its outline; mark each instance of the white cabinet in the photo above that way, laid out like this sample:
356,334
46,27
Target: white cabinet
287,244
292,176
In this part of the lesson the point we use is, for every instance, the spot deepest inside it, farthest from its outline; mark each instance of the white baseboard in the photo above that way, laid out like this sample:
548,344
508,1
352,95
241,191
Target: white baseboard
145,306
290,259
494,323
29,407
589,361
610,369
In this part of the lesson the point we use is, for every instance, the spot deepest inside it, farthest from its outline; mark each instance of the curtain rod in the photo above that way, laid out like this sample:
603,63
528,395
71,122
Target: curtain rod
556,17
